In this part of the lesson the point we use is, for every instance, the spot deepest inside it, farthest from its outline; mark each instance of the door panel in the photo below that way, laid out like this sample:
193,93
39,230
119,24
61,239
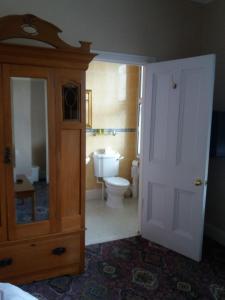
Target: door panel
70,172
71,130
159,121
156,204
28,119
3,234
182,223
191,83
177,122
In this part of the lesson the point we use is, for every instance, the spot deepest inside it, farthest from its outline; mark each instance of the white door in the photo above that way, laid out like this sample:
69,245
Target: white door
177,114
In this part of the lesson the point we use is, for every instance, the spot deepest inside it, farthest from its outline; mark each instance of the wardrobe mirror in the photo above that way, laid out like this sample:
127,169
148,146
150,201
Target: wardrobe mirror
30,149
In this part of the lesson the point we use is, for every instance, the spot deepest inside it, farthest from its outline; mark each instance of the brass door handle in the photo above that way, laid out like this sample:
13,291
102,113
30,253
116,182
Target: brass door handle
198,182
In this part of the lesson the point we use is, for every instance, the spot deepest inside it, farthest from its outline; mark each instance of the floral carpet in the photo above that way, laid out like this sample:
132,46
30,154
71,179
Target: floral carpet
134,269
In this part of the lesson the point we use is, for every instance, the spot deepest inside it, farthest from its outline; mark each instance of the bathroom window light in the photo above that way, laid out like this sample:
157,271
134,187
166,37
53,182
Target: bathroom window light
139,111
139,130
141,82
122,90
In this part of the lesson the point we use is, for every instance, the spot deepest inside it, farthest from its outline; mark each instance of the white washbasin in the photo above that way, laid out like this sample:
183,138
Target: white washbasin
106,153
87,160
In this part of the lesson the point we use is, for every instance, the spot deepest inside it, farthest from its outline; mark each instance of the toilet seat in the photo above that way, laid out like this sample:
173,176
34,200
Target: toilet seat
117,181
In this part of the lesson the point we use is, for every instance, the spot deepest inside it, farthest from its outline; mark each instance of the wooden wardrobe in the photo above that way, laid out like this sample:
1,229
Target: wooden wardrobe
42,224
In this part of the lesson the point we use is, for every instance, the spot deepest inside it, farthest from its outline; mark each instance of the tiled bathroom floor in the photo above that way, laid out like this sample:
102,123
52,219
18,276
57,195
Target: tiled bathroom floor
106,224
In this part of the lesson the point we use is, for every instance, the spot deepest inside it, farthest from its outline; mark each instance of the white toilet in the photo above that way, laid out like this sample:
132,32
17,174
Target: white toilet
106,166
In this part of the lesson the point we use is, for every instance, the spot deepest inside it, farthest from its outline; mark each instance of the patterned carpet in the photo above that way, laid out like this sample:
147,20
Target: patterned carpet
135,269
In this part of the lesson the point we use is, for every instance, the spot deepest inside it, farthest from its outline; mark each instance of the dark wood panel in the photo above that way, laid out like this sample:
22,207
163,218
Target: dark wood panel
3,234
70,173
43,274
44,254
71,154
38,56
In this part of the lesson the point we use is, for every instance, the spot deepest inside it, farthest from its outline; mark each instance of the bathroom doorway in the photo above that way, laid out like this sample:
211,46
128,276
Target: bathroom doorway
113,114
153,210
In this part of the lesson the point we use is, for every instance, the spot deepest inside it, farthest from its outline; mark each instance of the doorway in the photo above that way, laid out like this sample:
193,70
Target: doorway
113,97
176,121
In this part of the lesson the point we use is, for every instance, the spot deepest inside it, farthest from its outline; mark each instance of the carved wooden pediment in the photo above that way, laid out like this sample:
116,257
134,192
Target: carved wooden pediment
31,27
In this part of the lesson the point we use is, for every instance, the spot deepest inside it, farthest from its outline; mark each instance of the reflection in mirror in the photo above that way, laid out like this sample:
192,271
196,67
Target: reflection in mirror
30,143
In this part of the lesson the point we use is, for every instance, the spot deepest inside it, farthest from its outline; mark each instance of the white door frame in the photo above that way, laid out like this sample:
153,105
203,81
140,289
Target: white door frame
123,58
138,60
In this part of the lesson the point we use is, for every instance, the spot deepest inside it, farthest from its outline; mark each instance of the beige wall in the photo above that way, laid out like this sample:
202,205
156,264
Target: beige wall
161,28
114,95
213,41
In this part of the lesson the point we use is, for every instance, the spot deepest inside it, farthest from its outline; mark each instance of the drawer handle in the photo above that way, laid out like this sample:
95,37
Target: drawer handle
5,262
59,251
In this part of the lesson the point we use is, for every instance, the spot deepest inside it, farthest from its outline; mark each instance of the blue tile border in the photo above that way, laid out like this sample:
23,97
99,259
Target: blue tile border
109,130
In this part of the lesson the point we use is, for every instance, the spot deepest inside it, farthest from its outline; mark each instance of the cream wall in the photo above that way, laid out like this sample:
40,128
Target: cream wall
213,41
114,105
160,28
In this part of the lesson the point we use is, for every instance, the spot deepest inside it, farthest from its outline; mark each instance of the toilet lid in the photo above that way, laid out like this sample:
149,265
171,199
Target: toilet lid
117,181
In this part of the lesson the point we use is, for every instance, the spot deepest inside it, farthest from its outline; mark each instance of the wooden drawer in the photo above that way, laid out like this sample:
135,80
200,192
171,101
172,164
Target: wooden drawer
40,255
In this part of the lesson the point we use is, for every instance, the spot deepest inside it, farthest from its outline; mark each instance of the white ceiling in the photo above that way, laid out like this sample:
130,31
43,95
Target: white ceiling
202,1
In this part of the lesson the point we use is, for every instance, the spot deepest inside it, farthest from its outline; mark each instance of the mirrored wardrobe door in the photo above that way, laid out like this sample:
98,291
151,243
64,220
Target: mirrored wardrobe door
30,149
29,178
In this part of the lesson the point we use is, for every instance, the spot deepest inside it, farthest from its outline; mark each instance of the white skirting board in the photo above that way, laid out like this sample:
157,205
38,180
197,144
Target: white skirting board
93,194
215,233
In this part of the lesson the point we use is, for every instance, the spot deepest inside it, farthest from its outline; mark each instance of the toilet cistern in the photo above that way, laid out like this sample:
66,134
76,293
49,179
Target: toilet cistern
106,166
